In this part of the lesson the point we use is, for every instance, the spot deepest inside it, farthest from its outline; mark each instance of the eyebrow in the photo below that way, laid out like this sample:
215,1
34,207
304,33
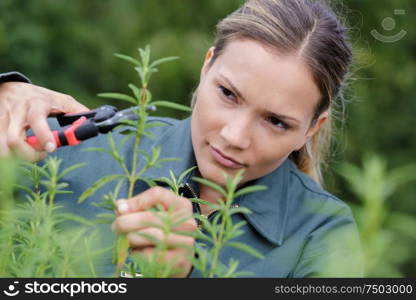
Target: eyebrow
238,93
232,86
284,117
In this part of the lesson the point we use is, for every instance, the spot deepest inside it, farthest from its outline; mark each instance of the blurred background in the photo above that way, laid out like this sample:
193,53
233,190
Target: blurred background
68,46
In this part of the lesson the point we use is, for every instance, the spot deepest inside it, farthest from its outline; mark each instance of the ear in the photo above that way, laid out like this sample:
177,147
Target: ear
318,123
208,58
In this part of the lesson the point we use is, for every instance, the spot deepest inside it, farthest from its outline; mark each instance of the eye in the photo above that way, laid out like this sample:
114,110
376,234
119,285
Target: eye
227,93
277,122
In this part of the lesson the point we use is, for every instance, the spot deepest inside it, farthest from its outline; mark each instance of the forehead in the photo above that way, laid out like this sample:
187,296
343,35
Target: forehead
272,79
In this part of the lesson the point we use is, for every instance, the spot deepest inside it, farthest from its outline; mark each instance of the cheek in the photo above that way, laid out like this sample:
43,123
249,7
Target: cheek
270,152
207,116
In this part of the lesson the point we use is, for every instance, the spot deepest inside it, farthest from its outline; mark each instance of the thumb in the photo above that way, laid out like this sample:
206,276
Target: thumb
67,104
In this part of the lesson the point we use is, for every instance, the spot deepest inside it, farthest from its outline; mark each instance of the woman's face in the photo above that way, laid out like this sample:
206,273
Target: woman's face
253,108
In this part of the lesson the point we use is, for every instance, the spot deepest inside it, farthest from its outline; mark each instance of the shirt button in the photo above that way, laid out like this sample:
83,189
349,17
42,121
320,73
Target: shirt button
200,227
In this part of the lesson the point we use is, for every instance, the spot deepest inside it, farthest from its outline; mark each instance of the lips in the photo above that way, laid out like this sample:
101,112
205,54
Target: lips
225,160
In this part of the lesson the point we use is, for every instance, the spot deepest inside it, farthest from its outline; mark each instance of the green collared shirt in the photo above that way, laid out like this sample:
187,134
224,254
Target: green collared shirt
300,229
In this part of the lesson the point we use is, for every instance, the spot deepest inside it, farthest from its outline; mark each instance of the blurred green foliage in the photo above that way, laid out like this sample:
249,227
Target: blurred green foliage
68,46
388,236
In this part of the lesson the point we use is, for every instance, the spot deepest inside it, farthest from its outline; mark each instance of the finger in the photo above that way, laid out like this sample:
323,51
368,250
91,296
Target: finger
26,152
188,225
16,135
135,221
122,206
159,196
153,236
62,103
17,126
37,120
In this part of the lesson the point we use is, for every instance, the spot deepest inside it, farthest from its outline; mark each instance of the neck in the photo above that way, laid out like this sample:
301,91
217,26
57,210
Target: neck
209,195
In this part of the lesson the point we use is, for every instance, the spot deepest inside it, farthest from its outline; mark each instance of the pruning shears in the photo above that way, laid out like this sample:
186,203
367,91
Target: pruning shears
82,126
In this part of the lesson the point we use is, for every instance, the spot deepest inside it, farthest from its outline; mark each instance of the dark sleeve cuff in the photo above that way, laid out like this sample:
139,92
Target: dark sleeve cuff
13,76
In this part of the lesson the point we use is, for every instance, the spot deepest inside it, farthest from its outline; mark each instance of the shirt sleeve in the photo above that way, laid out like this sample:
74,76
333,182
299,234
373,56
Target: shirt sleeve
13,76
333,249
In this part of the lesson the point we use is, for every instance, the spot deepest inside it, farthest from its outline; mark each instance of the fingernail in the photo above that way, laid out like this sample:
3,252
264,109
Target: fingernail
50,147
122,206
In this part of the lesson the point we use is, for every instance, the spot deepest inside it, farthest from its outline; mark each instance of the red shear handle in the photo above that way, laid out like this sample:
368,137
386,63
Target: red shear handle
34,142
62,138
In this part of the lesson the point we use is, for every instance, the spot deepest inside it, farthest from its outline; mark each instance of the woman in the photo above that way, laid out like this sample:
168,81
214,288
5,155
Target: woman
264,105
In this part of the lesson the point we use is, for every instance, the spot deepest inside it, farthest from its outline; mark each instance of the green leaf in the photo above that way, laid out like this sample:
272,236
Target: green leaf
239,210
167,159
172,105
149,134
232,267
148,237
154,124
353,175
129,122
149,182
206,225
172,176
200,201
128,58
250,189
76,218
399,176
163,60
23,188
141,74
232,182
96,149
184,173
135,90
37,169
107,204
145,55
235,230
127,133
71,169
99,183
199,235
122,246
210,184
105,218
118,97
245,248
148,99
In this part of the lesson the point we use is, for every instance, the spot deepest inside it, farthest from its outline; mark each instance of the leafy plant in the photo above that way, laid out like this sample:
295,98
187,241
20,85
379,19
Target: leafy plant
38,241
387,235
142,98
35,239
219,230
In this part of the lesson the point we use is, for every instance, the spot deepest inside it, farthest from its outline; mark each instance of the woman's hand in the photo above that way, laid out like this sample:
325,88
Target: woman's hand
24,106
134,217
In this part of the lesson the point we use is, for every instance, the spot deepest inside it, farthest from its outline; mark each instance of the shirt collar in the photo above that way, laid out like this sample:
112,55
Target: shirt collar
268,207
175,142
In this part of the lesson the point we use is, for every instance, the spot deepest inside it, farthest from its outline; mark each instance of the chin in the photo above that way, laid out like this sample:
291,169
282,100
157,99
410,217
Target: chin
215,173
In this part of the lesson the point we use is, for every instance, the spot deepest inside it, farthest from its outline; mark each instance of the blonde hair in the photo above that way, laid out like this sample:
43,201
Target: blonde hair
307,28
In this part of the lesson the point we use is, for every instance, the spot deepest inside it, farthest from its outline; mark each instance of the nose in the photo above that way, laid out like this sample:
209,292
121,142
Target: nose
236,132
